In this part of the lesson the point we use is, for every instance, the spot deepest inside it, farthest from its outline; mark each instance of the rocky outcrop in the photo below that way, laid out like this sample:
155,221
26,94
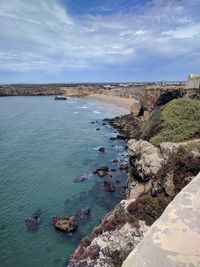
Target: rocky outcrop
146,159
101,171
169,148
136,108
65,224
112,241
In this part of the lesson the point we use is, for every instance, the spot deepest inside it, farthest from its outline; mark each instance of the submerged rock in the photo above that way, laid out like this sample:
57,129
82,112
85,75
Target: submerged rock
124,167
65,224
80,179
113,138
33,222
121,137
109,186
84,214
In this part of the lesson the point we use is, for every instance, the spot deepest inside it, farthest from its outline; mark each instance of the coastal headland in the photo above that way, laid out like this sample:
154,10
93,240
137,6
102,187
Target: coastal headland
162,132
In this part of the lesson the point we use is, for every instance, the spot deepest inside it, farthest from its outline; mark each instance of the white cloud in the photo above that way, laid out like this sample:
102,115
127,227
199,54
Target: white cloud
43,35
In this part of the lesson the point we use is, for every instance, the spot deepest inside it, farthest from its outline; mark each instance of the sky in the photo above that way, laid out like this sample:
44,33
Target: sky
47,41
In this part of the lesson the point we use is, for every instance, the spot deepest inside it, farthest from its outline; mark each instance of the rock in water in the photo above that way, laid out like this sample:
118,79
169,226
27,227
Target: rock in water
102,149
109,186
33,222
65,224
80,179
84,214
60,98
102,171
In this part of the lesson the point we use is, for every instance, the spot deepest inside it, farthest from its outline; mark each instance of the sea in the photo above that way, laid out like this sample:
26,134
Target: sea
44,145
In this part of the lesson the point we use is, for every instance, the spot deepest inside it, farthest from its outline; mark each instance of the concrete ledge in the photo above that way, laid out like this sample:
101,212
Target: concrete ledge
174,239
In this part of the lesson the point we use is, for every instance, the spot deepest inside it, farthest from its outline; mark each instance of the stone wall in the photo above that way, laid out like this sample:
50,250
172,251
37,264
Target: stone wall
174,239
193,82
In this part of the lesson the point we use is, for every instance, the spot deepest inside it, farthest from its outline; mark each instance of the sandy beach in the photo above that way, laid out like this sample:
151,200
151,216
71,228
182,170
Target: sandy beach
118,101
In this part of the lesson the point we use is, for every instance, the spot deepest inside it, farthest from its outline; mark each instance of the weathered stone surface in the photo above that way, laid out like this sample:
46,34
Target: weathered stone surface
193,81
146,158
136,108
112,241
168,148
174,239
65,224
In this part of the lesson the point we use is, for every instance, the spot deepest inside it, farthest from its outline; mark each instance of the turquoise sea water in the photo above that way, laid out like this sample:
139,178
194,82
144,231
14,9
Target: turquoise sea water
44,144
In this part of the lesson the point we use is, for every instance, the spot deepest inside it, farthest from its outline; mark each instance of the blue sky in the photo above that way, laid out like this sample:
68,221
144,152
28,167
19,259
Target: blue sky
98,41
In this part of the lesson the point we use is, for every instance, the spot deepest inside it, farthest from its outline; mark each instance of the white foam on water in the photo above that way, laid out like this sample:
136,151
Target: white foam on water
96,112
76,112
84,107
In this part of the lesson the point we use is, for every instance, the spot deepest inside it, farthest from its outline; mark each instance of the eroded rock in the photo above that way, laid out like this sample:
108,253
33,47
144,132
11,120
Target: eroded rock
65,224
146,159
136,108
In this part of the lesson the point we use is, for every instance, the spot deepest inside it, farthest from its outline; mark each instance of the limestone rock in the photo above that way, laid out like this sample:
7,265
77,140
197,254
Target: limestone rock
169,148
136,108
65,224
146,159
112,241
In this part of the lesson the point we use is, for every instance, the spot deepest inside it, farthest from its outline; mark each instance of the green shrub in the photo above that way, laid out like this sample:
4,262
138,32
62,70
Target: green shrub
179,121
151,127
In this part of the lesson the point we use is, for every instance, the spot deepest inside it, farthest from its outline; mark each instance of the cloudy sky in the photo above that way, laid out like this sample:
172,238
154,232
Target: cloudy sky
98,40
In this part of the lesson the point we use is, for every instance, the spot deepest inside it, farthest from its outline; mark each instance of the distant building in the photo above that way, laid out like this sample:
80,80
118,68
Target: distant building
193,81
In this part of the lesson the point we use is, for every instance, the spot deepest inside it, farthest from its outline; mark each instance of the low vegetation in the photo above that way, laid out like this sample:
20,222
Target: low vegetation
184,166
177,121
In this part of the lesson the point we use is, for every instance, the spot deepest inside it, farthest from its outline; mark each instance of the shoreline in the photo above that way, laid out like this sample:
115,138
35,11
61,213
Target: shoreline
151,184
122,102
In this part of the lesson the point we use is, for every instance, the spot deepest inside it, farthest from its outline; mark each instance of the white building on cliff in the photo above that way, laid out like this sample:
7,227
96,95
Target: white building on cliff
193,81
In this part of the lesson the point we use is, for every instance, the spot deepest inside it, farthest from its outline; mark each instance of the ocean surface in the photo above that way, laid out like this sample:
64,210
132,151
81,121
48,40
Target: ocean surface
44,145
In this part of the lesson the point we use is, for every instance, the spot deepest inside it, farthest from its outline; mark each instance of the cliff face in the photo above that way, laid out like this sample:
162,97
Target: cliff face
74,91
156,175
110,242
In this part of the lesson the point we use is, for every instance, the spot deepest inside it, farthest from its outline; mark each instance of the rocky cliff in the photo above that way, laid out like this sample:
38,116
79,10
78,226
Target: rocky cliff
156,176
